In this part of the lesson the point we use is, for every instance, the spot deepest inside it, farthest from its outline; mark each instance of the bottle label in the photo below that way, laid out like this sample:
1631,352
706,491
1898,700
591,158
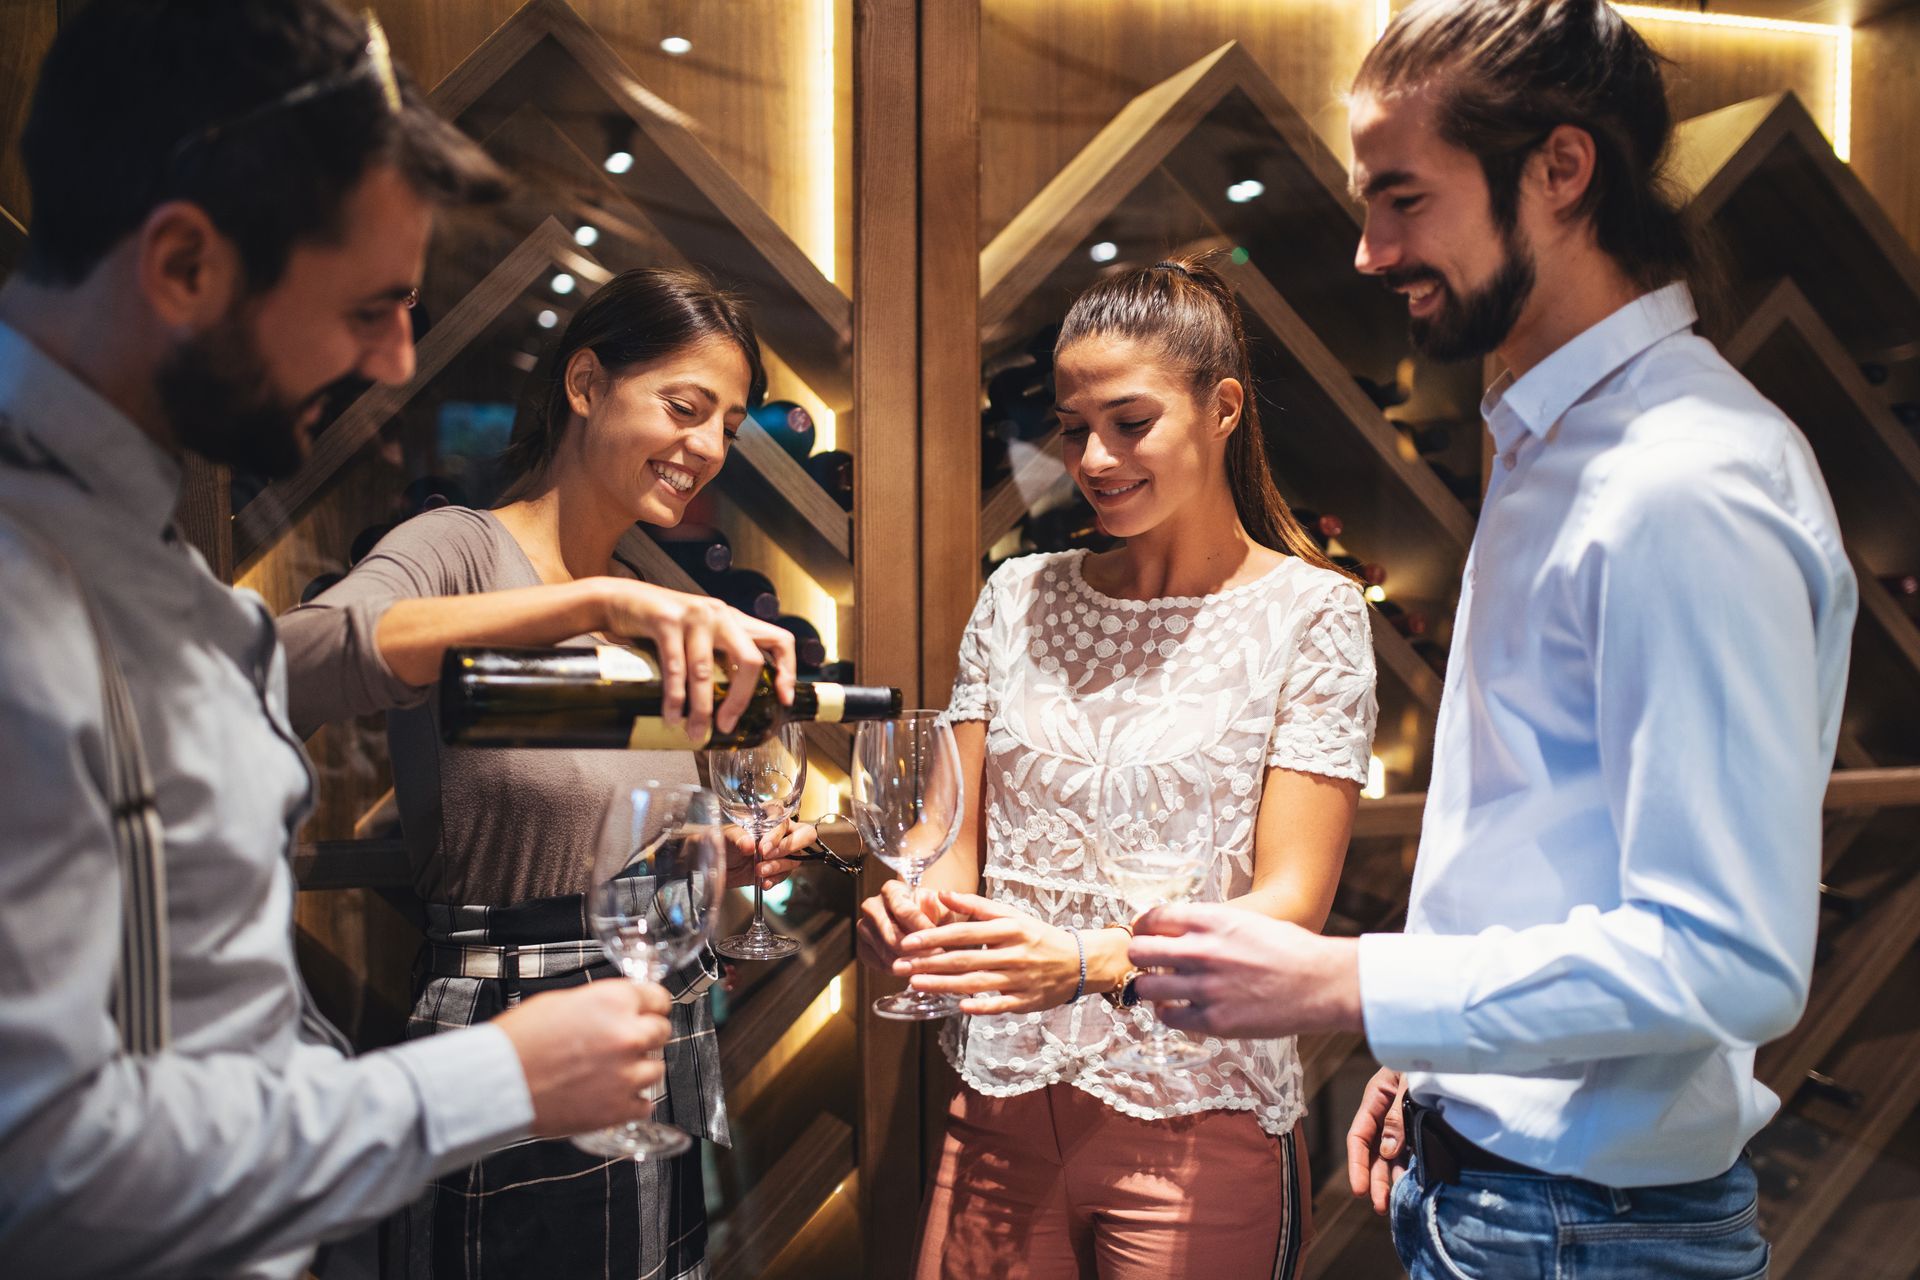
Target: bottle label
653,734
619,663
833,702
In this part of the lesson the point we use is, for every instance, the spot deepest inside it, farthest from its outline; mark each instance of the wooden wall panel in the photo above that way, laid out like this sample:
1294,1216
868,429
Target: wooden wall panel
1886,113
26,31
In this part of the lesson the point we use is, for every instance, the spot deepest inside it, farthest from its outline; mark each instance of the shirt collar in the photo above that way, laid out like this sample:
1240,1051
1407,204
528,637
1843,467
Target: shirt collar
79,428
1514,407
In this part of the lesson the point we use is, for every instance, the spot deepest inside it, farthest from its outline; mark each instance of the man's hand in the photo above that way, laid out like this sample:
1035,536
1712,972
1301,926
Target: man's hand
589,1052
1377,1141
1244,975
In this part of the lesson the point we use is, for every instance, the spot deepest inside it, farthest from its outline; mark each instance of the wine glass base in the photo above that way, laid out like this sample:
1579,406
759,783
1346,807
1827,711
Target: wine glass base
763,944
1173,1055
637,1140
916,1006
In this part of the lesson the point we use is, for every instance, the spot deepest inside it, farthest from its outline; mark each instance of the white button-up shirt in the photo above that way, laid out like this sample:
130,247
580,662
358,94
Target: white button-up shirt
1616,894
252,1136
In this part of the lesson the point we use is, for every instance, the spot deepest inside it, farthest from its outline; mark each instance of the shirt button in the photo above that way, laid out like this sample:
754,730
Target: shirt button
1506,460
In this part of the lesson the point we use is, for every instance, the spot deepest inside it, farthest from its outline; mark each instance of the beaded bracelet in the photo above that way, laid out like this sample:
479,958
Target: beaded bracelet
1080,988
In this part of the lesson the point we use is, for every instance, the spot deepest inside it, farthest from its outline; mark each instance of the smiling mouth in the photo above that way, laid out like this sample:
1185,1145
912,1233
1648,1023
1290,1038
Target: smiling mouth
1422,295
1110,492
678,479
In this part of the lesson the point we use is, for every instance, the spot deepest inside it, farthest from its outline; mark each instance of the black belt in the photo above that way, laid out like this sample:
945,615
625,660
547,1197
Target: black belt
1441,1154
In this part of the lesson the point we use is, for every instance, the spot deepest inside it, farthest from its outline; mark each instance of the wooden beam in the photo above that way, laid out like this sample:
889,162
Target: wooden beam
770,1215
886,560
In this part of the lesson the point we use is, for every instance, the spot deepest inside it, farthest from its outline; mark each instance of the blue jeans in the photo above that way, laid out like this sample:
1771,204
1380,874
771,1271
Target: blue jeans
1511,1226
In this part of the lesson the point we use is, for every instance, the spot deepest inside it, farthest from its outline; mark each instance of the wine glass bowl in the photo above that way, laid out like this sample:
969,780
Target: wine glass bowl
908,802
658,874
759,788
1155,844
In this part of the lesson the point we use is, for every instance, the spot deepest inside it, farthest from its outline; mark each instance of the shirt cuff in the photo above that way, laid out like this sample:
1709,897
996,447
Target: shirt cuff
1414,989
473,1092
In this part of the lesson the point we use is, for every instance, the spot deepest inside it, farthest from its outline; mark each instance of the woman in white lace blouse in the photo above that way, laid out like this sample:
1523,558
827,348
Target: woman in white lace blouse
1216,630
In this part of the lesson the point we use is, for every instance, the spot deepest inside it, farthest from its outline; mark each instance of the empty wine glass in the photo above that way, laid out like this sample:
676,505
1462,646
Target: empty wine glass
759,788
908,800
658,873
1154,842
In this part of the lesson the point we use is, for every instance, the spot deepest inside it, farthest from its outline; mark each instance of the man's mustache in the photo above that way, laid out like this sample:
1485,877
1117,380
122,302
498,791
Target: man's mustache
1406,276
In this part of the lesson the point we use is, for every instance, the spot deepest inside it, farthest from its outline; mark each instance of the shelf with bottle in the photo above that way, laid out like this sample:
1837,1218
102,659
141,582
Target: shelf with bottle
1761,176
804,502
1872,467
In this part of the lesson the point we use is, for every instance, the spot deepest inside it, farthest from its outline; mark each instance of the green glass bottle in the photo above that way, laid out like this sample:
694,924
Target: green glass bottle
611,697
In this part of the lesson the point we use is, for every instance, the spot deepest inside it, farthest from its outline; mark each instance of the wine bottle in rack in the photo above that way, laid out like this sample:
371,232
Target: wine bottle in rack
809,652
1385,395
832,470
366,540
1905,589
747,591
1372,574
313,589
1410,623
1824,1087
1427,438
1907,412
1321,528
1874,372
612,697
790,425
699,549
430,492
1465,488
996,461
1021,396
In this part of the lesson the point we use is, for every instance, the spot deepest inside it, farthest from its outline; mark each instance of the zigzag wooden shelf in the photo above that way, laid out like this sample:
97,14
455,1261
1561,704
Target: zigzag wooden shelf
1762,175
260,523
783,1201
547,54
1872,467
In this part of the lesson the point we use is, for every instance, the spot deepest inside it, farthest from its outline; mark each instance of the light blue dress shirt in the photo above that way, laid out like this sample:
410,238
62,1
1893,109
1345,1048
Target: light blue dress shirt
252,1136
1615,899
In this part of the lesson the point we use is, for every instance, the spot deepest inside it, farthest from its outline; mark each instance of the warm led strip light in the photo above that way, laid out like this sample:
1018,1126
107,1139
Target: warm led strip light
1842,37
822,161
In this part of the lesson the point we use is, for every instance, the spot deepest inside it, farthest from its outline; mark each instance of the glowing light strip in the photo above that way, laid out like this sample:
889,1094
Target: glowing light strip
822,161
1842,37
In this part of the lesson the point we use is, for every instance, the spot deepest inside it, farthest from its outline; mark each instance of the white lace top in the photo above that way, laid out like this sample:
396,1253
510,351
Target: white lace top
1277,672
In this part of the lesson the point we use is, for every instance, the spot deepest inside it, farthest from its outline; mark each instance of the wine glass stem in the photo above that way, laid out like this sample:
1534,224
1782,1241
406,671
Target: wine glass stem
759,895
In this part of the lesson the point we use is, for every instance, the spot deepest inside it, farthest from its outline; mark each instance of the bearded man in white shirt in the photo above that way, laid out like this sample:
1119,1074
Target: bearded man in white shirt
1615,898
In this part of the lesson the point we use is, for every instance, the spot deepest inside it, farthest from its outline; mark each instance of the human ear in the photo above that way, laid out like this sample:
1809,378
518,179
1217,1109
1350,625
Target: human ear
583,376
1562,168
1229,398
189,272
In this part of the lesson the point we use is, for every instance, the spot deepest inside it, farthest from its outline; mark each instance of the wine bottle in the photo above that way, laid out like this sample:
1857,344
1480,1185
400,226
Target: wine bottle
790,425
1818,1085
1907,412
1385,395
1022,395
1427,438
611,697
701,550
747,591
366,540
1321,528
318,585
1371,574
996,461
1465,488
430,492
833,471
1874,372
809,651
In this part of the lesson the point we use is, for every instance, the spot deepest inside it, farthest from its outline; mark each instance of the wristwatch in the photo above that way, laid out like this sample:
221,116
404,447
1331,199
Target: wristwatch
1124,996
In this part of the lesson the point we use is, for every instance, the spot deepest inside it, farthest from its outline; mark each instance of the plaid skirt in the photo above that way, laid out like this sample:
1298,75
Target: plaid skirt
547,1208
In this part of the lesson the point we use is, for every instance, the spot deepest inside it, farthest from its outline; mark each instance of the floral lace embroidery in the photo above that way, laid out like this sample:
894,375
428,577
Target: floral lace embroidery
1277,672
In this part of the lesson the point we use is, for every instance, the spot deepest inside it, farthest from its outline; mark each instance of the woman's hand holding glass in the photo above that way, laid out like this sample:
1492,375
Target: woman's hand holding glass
997,958
889,917
771,858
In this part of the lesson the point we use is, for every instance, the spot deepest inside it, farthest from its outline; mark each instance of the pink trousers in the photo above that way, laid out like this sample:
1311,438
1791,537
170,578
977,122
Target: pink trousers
1056,1185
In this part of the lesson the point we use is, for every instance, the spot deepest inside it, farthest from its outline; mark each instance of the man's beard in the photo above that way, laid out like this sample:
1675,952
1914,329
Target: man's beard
221,404
1468,327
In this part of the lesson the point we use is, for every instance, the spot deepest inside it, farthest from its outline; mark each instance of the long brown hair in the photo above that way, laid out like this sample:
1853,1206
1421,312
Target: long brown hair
636,317
1185,310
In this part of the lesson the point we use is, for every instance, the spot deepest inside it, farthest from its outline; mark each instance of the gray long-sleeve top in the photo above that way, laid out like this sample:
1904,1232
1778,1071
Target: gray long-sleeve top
252,1136
487,827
